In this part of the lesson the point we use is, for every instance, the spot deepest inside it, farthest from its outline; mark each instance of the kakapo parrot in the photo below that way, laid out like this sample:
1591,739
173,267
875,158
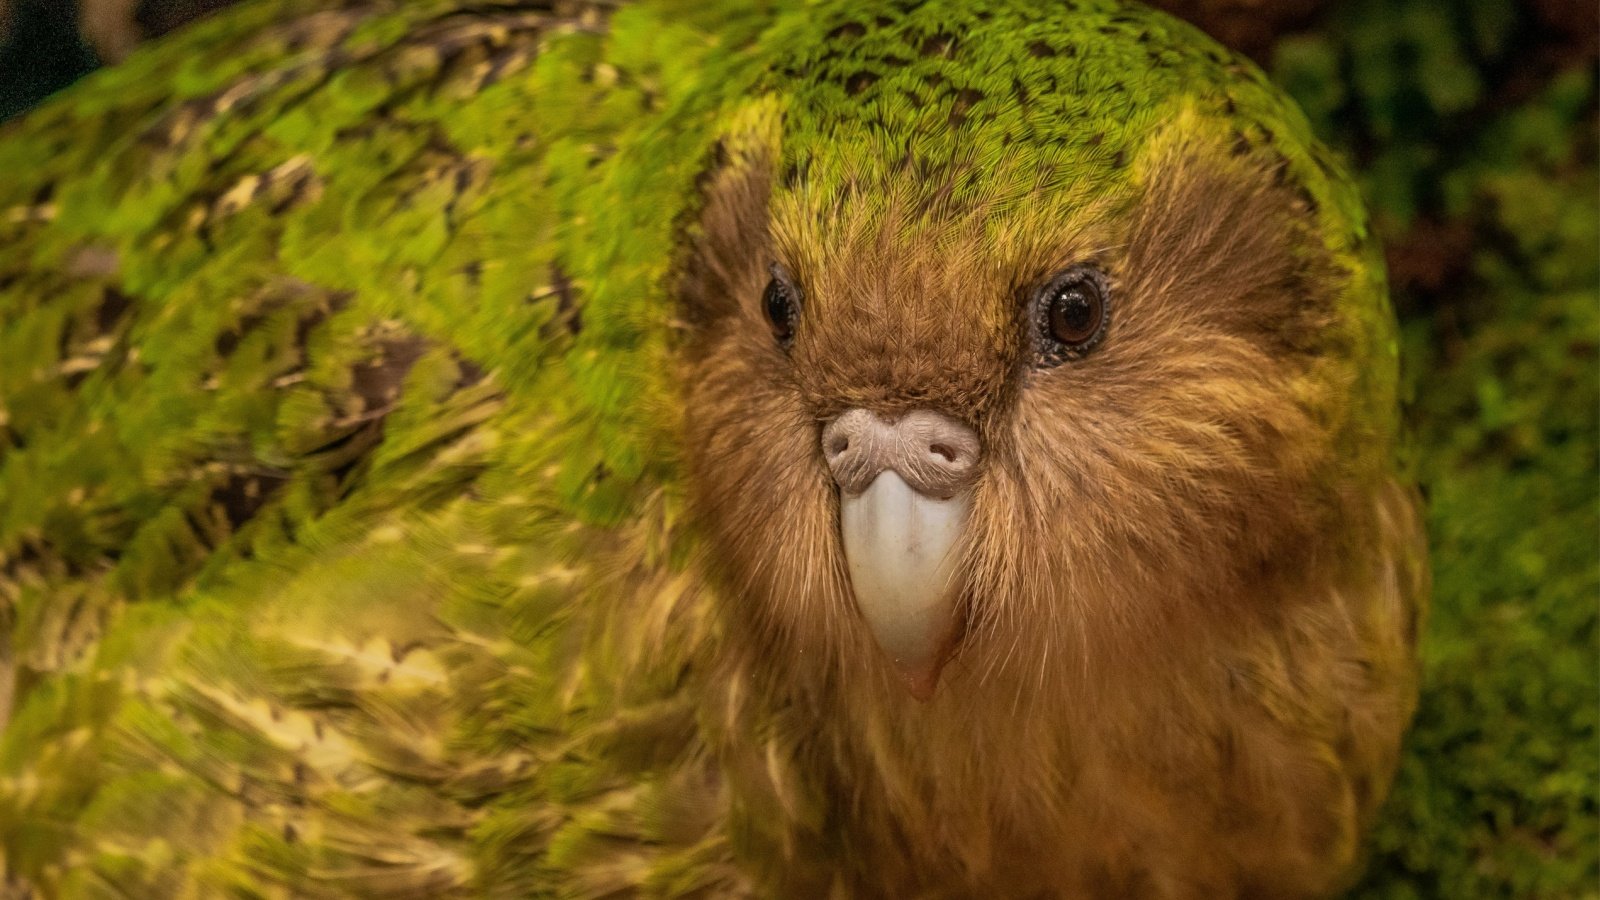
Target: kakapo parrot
578,449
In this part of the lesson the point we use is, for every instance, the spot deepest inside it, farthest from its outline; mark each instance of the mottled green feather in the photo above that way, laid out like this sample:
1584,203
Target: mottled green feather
296,484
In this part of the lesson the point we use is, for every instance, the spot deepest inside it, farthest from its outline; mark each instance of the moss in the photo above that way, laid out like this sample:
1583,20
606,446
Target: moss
1473,127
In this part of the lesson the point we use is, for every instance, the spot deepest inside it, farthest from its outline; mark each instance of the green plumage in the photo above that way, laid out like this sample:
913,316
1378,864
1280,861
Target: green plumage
315,429
342,533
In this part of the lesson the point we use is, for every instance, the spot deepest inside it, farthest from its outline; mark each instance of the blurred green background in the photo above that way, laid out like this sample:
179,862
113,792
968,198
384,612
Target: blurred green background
1473,126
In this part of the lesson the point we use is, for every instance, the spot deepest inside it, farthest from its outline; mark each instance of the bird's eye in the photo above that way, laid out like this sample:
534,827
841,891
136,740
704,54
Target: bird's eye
781,301
1070,314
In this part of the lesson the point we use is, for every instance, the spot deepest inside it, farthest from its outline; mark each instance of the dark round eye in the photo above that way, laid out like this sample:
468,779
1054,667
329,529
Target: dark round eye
1070,314
781,302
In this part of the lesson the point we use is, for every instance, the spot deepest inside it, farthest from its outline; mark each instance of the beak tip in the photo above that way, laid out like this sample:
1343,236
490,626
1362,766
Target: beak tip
900,549
920,680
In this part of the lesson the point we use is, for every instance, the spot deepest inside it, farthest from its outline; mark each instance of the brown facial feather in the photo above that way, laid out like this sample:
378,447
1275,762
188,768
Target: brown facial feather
1145,515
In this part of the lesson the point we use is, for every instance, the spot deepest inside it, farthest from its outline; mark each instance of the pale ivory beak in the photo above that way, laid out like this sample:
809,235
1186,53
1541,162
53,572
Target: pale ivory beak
900,546
904,499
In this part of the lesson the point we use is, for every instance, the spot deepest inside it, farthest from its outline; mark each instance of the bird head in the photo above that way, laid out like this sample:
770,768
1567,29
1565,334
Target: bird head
1021,347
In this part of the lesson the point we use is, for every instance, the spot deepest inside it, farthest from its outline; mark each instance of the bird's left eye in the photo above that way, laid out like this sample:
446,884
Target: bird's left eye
1070,314
781,302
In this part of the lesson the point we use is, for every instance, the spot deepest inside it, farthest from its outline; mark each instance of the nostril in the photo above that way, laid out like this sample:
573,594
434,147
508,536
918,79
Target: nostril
935,454
848,449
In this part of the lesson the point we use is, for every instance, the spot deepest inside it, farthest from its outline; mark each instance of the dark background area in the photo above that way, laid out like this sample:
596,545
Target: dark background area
47,44
1472,125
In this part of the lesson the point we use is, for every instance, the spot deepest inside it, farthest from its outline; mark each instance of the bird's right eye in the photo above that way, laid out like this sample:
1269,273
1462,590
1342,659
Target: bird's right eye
781,302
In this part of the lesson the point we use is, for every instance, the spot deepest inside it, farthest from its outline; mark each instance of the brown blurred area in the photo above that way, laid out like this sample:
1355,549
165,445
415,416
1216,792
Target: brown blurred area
114,27
1249,26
